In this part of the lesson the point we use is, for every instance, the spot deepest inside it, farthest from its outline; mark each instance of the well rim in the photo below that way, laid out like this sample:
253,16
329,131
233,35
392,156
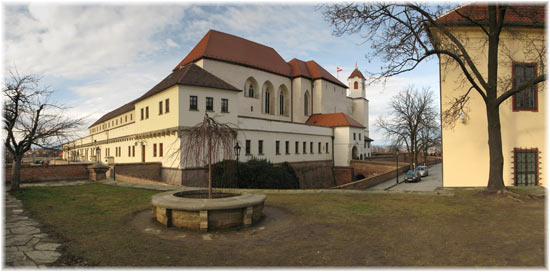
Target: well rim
170,201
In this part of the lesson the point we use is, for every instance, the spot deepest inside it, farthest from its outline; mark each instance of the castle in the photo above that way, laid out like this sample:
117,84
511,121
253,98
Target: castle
291,111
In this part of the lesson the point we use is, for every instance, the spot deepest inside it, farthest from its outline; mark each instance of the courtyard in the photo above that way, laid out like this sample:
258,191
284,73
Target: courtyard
104,225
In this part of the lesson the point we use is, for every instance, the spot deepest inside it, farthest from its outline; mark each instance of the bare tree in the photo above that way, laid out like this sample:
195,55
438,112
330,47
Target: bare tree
30,120
430,133
204,142
403,35
412,113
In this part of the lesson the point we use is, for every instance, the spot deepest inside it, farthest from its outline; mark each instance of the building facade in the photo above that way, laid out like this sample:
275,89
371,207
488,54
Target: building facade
521,57
292,111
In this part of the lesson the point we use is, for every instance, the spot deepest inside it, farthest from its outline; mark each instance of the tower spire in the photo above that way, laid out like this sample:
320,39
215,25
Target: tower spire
355,64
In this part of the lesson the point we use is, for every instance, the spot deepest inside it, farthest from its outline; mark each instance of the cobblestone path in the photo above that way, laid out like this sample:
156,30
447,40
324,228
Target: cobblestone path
25,245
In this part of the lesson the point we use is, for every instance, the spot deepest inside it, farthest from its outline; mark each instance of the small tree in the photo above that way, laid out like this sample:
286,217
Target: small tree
204,142
412,117
30,120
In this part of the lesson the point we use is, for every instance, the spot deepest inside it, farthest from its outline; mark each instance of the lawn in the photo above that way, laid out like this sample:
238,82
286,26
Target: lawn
103,225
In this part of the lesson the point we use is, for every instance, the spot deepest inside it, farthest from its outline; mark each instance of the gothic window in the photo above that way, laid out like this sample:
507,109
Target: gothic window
356,85
267,102
251,91
282,103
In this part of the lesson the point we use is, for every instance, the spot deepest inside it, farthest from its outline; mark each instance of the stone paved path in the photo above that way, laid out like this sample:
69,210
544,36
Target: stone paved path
25,245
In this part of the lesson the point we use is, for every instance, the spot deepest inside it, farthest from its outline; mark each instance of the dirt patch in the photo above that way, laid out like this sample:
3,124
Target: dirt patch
275,220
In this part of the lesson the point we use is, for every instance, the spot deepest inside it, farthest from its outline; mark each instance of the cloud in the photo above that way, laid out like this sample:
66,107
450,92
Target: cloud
102,56
79,41
171,43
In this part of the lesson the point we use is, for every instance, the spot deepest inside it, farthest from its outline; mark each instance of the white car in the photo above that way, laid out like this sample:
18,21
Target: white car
422,170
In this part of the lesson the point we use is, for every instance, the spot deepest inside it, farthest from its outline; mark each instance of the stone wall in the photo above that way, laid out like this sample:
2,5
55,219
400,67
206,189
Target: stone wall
194,177
149,171
311,175
371,168
343,175
369,182
314,174
30,173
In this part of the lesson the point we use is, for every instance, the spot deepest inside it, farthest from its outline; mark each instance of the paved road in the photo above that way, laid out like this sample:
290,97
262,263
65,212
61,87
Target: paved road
429,183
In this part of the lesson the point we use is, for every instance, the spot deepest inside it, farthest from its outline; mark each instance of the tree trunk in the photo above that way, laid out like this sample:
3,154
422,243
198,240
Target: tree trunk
496,165
209,166
16,173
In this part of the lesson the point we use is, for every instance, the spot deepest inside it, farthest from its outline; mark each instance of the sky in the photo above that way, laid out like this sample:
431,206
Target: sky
97,57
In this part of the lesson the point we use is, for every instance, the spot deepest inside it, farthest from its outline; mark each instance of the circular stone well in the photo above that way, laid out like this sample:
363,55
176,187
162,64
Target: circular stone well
186,209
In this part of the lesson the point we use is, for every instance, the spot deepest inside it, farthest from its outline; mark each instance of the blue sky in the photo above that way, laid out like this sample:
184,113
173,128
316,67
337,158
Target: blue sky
97,57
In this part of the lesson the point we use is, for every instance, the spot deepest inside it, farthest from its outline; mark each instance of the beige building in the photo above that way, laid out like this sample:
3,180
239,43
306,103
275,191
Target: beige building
291,111
464,145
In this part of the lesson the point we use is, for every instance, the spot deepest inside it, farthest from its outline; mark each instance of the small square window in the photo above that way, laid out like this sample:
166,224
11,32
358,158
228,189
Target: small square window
287,147
193,102
225,105
247,147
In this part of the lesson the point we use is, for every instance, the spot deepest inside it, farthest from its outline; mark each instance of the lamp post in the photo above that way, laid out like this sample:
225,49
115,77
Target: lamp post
97,154
397,166
237,149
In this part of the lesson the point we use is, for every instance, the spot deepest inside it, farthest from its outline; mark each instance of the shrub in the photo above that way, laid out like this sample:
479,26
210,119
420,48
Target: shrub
254,174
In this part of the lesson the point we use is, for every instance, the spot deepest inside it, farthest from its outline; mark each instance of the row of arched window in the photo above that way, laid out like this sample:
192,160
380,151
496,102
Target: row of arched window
269,99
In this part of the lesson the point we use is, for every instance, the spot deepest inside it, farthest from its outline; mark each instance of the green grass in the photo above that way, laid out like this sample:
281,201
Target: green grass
314,230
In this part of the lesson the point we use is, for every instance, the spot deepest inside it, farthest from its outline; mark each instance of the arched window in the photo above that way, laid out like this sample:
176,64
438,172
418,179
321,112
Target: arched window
356,85
267,102
282,103
251,90
306,103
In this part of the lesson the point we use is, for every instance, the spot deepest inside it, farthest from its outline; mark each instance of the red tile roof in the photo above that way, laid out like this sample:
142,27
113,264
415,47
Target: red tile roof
516,14
356,73
222,46
229,48
112,114
299,68
338,119
312,70
191,75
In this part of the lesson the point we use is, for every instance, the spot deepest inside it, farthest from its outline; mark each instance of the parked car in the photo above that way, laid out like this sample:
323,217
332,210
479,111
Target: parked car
412,175
422,170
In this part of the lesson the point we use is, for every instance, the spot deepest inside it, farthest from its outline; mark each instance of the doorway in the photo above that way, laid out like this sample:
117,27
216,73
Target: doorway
142,153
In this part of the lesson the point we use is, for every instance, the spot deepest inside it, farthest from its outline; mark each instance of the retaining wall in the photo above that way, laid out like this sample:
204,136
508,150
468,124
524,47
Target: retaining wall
30,173
314,174
369,182
135,172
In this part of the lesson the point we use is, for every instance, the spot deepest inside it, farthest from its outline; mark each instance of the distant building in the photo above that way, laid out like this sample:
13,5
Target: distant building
292,111
464,147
